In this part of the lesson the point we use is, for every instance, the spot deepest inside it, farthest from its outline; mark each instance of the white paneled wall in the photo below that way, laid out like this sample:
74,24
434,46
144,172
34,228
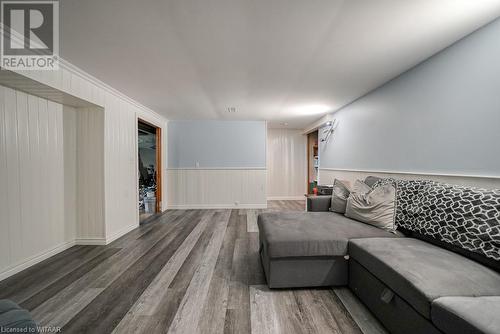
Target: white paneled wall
286,164
216,188
120,141
70,172
32,180
77,185
90,176
121,167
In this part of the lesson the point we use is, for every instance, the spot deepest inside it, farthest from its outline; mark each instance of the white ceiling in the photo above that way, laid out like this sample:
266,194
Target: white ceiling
277,60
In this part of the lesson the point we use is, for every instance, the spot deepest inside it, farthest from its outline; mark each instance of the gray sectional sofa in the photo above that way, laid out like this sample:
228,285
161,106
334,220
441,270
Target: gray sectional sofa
409,284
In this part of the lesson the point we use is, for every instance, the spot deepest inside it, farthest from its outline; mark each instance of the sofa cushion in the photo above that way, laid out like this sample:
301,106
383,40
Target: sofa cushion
296,234
320,203
13,319
7,305
371,180
340,193
467,315
360,187
462,219
377,208
420,272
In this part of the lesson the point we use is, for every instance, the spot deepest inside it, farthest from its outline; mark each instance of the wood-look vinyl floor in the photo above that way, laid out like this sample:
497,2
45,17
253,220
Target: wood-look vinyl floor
189,271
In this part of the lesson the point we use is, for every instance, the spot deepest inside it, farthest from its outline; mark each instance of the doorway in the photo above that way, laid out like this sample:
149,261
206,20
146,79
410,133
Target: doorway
312,161
149,169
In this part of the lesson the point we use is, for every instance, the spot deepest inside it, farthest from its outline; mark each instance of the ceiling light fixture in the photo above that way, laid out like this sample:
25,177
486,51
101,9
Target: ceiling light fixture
311,109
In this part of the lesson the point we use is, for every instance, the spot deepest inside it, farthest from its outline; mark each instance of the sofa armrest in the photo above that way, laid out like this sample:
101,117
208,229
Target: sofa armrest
319,203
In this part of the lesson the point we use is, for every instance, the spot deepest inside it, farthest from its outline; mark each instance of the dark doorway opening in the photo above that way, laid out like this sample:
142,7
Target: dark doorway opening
149,151
312,162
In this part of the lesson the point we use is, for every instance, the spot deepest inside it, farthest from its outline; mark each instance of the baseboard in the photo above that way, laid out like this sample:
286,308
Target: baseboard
36,259
62,247
121,233
286,198
91,241
216,206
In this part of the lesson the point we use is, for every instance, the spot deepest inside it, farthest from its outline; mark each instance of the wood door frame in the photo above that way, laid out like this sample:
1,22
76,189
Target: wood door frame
308,163
159,171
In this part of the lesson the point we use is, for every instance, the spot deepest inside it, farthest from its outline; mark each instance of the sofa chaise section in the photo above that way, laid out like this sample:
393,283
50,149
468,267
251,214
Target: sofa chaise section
309,249
467,315
407,275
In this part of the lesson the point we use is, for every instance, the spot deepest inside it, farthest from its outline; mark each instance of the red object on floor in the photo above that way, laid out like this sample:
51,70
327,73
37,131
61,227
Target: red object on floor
315,191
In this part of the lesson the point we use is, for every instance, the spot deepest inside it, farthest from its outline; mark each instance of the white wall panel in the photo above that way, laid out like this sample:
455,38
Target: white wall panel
286,164
32,180
121,170
70,171
90,176
5,234
12,213
216,188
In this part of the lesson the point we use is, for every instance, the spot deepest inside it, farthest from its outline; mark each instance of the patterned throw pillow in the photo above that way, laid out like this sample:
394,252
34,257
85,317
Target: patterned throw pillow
463,219
468,218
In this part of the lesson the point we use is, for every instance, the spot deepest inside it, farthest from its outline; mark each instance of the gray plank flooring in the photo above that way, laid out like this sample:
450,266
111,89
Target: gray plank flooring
188,271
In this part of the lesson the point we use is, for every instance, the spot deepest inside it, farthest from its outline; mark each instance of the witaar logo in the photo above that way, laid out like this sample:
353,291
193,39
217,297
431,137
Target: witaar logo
30,35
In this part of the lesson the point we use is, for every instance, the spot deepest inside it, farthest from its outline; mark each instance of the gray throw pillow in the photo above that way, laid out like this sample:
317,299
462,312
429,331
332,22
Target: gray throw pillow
360,187
340,193
377,207
371,180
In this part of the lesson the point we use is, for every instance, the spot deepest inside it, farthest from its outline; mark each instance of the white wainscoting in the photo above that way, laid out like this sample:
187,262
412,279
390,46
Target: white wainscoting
34,137
326,176
286,164
216,188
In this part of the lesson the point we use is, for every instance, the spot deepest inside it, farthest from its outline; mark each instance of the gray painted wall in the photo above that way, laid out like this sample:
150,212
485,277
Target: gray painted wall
442,116
217,144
